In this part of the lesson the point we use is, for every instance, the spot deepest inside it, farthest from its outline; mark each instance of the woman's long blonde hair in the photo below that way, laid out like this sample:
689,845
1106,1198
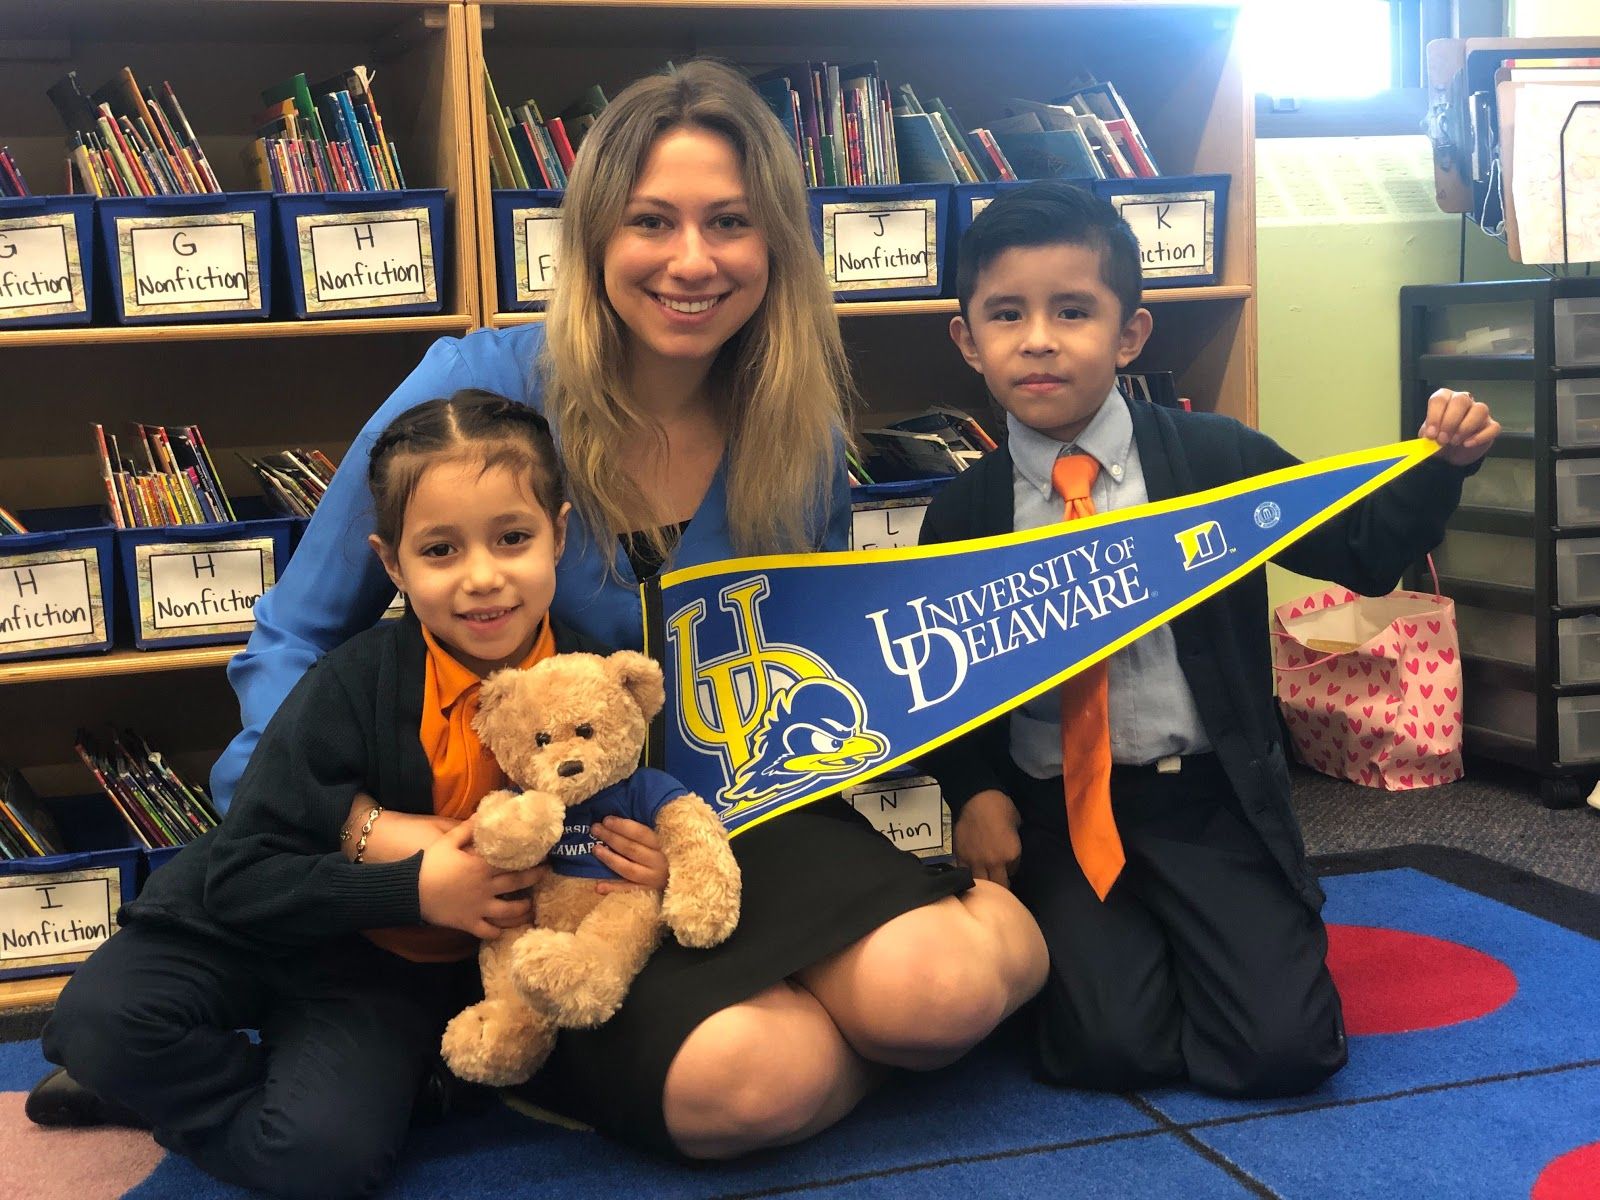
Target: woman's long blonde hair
782,381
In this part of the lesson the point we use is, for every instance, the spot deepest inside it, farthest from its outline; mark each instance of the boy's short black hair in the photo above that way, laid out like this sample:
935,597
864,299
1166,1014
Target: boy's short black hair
1048,213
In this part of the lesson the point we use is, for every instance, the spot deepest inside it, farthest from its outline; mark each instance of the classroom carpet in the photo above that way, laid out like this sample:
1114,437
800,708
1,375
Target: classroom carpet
1470,992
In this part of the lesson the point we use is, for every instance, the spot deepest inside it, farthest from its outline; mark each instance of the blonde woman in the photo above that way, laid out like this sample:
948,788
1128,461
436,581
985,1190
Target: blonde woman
692,371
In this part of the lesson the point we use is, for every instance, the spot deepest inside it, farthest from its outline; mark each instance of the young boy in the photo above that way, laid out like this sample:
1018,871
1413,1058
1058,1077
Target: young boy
1198,951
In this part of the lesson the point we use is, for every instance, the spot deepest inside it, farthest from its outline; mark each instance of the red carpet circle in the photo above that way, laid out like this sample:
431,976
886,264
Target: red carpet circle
1573,1176
1397,982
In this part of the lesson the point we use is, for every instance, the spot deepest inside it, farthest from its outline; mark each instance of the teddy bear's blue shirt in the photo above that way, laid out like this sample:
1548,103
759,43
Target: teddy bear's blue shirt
639,797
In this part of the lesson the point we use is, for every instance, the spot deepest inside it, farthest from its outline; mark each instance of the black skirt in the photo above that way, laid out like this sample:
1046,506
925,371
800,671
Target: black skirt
815,880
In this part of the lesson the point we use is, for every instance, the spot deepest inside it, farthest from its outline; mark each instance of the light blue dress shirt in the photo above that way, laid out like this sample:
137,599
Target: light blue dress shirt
1153,713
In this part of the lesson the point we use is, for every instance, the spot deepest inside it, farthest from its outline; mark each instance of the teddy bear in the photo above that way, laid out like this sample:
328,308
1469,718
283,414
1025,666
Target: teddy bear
567,732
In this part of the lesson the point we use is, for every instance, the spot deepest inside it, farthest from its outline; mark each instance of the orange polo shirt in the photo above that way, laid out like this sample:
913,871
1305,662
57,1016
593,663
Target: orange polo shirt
463,774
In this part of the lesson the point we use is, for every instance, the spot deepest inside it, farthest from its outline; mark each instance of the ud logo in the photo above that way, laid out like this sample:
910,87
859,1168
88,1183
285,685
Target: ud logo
1201,545
776,715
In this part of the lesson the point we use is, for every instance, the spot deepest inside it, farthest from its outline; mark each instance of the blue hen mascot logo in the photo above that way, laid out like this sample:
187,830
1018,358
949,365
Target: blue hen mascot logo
814,732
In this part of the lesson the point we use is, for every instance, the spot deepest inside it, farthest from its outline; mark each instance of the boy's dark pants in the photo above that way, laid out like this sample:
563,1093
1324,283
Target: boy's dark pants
1202,963
320,1107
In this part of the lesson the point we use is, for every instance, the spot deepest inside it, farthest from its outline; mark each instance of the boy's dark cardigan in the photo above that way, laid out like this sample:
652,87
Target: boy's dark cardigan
1222,643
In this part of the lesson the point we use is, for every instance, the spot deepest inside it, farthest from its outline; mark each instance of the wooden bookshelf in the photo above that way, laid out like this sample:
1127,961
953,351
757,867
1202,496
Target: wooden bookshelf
1176,64
105,335
913,308
119,662
30,993
263,386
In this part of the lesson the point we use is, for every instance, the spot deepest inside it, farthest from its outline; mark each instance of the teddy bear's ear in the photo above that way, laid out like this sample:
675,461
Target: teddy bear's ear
640,676
497,691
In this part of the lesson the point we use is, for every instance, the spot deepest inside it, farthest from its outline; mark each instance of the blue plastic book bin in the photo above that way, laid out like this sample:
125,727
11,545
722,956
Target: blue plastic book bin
969,200
188,258
57,585
46,261
883,243
527,226
1179,220
884,515
58,908
197,585
355,254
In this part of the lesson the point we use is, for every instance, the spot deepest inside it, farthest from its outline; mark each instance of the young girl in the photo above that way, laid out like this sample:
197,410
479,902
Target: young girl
338,907
692,368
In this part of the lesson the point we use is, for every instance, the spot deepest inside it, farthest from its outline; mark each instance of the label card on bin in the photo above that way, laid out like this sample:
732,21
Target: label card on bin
51,600
366,260
57,917
868,246
201,588
1177,232
881,524
41,274
188,264
909,811
536,234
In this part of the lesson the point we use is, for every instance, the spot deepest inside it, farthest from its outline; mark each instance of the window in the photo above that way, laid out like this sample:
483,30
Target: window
1324,68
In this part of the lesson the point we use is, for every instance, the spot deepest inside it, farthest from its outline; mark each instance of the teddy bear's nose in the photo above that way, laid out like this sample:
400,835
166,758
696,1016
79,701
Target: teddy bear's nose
570,768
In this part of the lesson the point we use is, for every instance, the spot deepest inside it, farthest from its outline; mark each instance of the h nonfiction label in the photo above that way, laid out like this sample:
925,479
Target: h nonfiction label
366,260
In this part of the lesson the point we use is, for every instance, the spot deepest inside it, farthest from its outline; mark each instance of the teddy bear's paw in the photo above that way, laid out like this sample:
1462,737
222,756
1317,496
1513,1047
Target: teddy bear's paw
561,974
515,830
497,1043
699,921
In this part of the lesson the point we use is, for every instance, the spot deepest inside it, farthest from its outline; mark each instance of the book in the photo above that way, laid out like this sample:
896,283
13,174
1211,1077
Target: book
22,809
1002,164
9,523
895,455
1101,99
977,160
1049,154
922,156
960,430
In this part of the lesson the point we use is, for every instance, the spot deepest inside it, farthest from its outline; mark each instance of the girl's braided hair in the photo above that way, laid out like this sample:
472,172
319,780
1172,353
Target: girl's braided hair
471,426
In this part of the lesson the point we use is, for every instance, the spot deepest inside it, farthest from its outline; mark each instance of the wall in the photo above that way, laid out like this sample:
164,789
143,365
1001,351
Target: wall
1342,224
1554,18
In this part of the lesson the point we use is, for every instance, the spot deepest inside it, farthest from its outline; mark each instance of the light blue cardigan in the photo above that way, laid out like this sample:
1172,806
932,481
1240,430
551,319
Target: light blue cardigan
334,586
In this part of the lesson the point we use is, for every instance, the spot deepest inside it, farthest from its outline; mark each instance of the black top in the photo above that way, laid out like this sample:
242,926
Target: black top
645,560
273,876
1223,644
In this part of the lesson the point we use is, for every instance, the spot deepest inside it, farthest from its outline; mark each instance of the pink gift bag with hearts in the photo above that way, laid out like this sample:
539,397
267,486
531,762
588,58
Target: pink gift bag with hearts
1370,686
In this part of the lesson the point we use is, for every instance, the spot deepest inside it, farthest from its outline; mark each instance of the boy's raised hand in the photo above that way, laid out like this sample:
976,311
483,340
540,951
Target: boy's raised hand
459,890
985,838
1461,425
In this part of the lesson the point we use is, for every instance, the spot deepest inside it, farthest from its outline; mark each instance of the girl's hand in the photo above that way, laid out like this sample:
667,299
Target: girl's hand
458,890
1461,425
395,835
632,851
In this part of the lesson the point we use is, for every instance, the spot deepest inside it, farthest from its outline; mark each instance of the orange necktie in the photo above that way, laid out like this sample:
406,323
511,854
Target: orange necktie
1086,723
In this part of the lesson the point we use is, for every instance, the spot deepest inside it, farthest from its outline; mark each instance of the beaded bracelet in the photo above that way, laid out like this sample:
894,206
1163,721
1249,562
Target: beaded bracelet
361,840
